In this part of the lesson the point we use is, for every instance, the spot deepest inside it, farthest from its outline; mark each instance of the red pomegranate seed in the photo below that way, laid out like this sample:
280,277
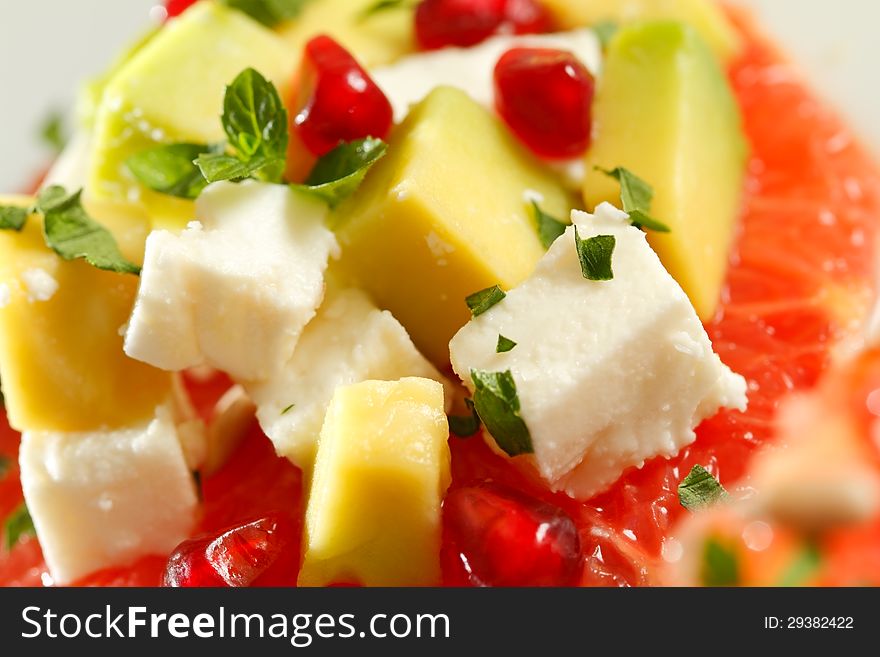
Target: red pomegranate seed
546,98
259,553
177,7
442,23
337,101
506,538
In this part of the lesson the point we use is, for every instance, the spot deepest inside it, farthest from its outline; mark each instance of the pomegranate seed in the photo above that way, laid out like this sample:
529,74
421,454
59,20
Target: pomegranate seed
338,101
442,23
506,538
259,553
546,98
177,7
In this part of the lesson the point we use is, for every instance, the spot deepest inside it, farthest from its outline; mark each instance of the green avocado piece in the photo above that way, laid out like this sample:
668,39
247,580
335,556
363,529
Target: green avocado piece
665,111
171,90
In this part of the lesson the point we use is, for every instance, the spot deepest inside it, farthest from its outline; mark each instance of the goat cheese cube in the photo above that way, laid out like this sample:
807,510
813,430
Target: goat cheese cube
235,289
409,80
608,373
350,341
105,498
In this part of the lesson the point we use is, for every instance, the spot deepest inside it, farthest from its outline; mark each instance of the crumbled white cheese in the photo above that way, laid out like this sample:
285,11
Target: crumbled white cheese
608,373
40,284
348,342
412,78
106,498
235,290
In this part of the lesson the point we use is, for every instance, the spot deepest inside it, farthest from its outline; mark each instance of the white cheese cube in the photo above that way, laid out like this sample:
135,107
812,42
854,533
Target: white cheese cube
235,289
106,498
409,80
350,341
608,373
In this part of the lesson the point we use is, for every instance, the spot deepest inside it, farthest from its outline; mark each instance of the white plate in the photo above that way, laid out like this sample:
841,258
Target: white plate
49,45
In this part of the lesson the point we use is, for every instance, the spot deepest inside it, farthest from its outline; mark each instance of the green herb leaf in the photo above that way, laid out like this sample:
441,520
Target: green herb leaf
255,121
287,409
72,233
700,489
504,345
636,196
384,5
549,227
215,167
720,566
171,169
595,256
605,31
5,466
52,132
268,12
465,426
805,565
480,302
339,173
17,526
497,405
12,218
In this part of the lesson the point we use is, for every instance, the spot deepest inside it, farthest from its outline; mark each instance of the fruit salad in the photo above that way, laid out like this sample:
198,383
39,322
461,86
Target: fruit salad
444,292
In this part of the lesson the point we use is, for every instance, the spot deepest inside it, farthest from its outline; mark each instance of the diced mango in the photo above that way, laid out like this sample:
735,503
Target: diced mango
666,112
373,516
444,215
374,40
172,90
706,16
61,359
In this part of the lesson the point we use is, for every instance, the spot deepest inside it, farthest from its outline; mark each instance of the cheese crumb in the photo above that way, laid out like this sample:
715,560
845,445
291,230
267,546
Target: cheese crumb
39,283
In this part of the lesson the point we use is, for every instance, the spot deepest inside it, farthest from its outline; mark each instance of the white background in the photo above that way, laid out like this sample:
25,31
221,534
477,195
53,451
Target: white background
47,46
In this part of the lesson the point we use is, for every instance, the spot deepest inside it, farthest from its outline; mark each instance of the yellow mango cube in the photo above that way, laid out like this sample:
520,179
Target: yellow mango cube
374,41
171,90
382,469
445,214
706,16
665,111
61,361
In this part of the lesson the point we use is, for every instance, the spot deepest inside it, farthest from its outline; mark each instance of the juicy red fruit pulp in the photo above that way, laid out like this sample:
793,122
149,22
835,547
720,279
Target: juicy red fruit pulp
175,8
337,100
264,552
506,538
546,98
463,23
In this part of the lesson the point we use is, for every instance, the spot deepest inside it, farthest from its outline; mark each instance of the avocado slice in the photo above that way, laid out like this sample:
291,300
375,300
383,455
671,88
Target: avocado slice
666,112
446,214
705,16
172,90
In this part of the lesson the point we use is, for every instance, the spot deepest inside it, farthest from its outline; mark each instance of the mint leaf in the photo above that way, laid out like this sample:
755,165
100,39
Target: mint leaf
465,426
215,167
497,405
700,489
605,31
52,131
268,12
17,526
549,227
384,5
12,218
504,345
255,121
5,466
480,302
720,566
595,256
805,565
171,169
339,173
636,196
72,233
